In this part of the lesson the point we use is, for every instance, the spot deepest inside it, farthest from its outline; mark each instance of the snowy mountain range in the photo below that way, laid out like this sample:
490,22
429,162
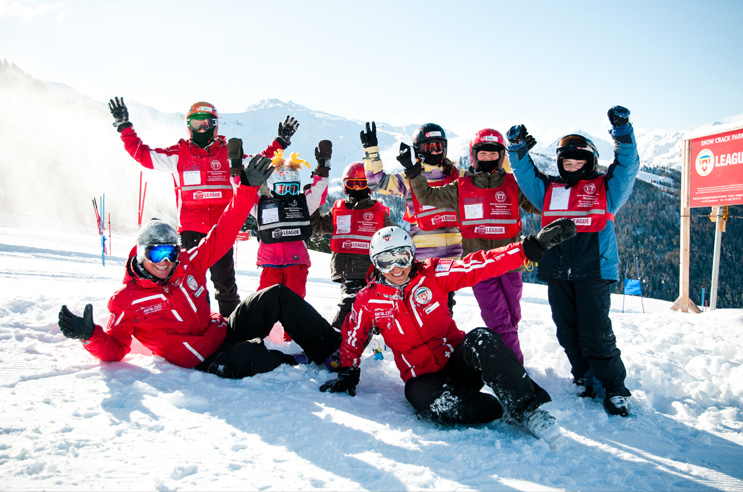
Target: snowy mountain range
62,139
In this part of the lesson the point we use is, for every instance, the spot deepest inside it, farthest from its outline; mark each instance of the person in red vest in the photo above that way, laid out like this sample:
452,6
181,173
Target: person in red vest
444,368
203,180
488,203
351,222
163,303
579,273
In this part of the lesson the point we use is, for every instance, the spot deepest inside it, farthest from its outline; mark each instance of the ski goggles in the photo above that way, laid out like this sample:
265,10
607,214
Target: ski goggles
576,142
386,261
286,188
197,124
432,146
355,184
162,252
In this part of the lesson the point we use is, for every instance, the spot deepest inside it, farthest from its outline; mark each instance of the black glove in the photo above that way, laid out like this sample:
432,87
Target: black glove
287,131
323,153
406,158
119,112
235,154
518,134
619,116
551,235
257,171
348,378
369,137
74,326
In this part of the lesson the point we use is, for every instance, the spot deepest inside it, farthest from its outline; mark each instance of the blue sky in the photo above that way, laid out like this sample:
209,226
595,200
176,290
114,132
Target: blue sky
555,66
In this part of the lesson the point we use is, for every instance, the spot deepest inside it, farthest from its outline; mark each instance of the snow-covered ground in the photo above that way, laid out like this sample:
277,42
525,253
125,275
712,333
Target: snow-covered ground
72,422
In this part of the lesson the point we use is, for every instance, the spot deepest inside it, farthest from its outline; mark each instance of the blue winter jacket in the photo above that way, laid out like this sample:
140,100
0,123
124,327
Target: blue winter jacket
588,255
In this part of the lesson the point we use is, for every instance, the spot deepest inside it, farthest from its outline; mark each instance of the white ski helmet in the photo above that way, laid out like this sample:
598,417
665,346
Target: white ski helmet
389,238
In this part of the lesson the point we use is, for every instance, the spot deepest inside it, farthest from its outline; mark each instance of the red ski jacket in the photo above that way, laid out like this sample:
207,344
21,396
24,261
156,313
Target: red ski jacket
173,320
415,321
199,175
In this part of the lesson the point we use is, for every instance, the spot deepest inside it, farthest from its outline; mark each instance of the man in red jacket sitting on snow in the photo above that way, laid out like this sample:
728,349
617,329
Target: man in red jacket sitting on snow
164,303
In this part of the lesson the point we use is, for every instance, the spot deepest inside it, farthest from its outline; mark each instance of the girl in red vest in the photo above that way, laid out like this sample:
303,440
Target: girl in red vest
488,203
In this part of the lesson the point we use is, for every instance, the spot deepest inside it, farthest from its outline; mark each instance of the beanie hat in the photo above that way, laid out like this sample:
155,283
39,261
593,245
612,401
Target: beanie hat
152,233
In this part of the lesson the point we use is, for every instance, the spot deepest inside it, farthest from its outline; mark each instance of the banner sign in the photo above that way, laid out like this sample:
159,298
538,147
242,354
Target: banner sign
716,166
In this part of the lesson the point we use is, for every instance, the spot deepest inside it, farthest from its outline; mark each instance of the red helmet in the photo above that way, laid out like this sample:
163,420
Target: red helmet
202,114
487,139
354,177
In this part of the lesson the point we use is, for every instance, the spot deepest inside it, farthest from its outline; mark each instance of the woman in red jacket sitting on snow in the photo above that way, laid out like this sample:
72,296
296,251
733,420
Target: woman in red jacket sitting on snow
444,369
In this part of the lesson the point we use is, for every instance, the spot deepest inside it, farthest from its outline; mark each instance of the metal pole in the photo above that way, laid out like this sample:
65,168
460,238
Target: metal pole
716,260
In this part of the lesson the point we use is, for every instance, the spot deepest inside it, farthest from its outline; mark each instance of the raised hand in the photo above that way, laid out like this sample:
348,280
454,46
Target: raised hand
235,154
619,116
119,112
369,137
406,157
287,130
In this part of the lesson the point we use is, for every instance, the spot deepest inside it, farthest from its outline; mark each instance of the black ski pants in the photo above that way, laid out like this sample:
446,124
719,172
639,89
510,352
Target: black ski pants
349,289
222,274
452,395
580,310
243,352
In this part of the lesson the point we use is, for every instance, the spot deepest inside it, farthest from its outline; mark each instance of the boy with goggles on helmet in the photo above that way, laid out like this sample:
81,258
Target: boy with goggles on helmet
443,367
579,272
351,222
488,204
164,303
203,180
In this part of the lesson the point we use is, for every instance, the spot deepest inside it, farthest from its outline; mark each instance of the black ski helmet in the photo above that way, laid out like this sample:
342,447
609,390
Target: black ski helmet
576,146
430,132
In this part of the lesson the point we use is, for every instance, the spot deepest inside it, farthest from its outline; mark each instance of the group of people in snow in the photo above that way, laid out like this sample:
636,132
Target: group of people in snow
463,229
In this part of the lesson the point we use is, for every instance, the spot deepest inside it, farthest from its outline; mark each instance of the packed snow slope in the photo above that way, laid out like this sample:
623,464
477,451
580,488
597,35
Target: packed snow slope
71,422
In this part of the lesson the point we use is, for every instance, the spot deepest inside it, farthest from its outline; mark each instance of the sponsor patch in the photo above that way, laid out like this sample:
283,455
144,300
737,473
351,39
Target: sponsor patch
216,165
590,188
582,221
285,232
205,195
444,265
191,282
432,307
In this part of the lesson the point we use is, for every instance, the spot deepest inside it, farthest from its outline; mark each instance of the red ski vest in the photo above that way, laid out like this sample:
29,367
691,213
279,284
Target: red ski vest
490,213
204,180
353,229
431,218
584,204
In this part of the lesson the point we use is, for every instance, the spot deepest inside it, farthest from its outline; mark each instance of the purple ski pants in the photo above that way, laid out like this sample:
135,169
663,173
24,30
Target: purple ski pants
500,307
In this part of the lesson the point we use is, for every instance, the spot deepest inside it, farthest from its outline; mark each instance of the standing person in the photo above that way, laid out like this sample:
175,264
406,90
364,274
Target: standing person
284,223
164,304
443,368
351,223
202,177
434,230
579,272
488,203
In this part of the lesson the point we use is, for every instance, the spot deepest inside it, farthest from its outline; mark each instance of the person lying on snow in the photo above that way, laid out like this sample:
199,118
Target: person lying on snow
164,303
443,367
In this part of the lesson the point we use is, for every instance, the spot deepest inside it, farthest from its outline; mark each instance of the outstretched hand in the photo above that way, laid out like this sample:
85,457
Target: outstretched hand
618,116
551,235
518,134
257,172
74,326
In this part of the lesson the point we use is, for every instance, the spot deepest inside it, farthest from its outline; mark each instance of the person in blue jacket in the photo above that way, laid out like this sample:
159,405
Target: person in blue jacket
580,271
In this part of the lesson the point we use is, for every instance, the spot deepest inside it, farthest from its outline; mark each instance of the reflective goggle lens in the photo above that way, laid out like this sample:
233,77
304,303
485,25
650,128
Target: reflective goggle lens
161,252
434,146
355,184
386,261
286,188
197,124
